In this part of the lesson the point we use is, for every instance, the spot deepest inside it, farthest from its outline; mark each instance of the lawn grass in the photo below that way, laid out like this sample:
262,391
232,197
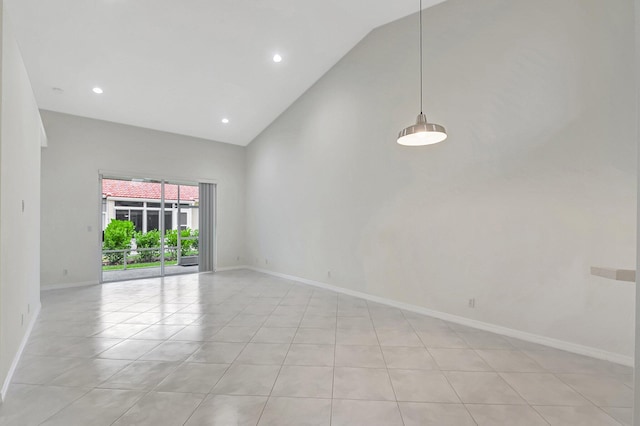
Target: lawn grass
137,265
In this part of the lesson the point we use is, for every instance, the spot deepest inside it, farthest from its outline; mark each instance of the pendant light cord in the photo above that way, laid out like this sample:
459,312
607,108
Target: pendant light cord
421,90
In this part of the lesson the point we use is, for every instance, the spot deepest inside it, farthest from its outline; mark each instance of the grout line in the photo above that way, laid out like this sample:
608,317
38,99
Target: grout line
335,347
67,405
439,369
386,367
582,395
288,349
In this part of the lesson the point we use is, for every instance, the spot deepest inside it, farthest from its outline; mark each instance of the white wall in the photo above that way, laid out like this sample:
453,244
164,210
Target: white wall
80,147
20,144
535,184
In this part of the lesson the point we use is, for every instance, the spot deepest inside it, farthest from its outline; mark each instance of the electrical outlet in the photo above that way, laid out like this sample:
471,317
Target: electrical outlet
89,228
329,274
472,303
65,272
237,257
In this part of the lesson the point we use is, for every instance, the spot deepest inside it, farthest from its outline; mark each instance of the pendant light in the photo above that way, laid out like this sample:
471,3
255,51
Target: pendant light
423,132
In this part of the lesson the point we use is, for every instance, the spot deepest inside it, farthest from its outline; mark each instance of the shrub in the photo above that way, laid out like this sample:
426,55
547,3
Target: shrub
195,243
146,241
117,236
172,241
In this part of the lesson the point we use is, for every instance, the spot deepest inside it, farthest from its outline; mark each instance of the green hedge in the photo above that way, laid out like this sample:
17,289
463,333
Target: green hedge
149,240
171,240
117,236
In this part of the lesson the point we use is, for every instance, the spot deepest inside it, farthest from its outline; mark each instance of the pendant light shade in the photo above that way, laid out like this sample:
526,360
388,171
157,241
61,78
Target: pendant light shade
423,132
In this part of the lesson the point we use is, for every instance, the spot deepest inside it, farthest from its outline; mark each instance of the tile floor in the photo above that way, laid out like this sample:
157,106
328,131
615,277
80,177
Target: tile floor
244,348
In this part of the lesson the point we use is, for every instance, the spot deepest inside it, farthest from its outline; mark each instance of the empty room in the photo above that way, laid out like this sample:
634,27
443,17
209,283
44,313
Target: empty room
340,213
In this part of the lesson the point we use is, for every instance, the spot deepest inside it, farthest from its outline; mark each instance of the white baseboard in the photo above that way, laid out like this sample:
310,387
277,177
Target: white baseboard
18,355
232,268
509,332
67,285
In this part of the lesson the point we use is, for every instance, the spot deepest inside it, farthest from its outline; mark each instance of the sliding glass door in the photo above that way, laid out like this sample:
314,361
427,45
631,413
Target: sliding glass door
151,228
183,238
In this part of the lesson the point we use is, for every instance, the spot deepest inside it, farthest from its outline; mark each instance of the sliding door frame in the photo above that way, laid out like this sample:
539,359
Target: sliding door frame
163,179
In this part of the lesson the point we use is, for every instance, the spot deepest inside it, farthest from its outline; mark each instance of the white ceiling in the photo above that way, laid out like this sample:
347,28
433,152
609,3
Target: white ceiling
181,66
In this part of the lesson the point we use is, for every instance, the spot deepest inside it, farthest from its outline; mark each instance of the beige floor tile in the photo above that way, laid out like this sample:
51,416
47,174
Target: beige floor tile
429,414
422,386
245,337
27,405
509,360
217,352
98,407
140,375
576,416
603,391
302,381
171,351
274,335
161,408
314,355
392,337
228,410
357,336
512,415
130,349
362,383
193,378
359,356
408,358
483,388
623,415
37,370
459,360
263,353
318,336
365,413
442,339
543,389
90,373
281,411
247,380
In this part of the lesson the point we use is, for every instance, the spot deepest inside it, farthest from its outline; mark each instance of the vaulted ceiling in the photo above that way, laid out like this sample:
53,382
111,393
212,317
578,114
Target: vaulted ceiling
183,66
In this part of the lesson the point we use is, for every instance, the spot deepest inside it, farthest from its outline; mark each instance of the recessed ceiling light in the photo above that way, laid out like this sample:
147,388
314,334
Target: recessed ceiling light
97,90
225,121
277,58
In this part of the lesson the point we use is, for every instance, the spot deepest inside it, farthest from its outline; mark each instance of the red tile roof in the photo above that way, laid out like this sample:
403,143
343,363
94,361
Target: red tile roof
147,190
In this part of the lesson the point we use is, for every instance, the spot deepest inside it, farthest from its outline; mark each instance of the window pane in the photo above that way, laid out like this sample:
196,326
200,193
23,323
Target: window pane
122,214
129,203
153,220
153,205
136,218
168,220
